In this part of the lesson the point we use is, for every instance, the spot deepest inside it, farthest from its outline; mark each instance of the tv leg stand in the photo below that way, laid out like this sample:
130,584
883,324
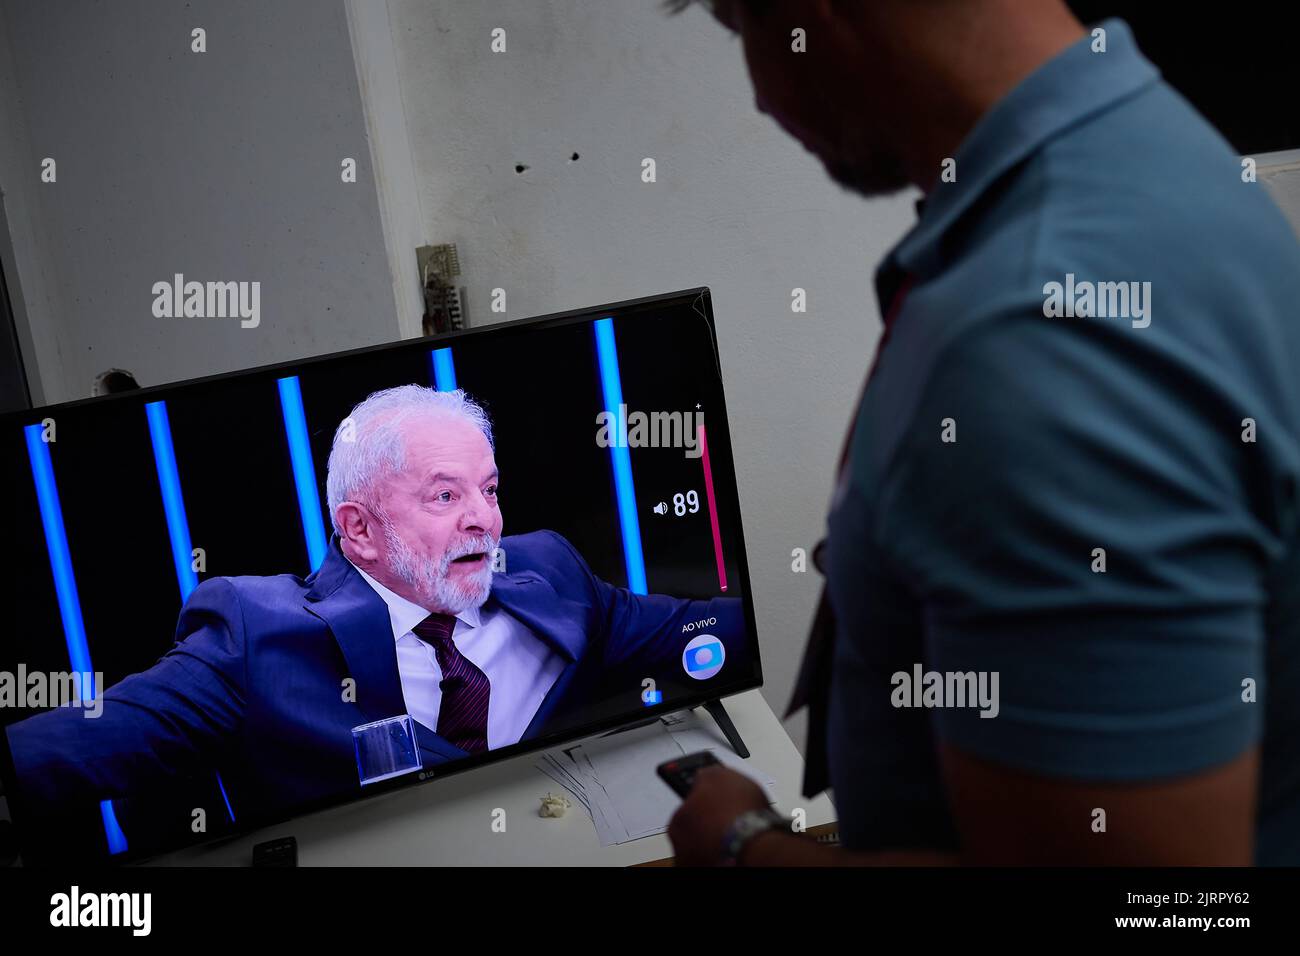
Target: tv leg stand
723,720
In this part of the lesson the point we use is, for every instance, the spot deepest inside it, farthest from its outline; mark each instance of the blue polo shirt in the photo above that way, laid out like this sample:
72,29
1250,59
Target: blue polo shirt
1090,495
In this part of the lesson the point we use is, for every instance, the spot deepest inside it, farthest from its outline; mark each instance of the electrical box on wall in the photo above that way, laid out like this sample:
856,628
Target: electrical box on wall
443,299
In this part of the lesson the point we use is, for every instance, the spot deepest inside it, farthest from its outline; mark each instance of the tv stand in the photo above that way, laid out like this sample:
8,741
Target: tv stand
723,720
715,710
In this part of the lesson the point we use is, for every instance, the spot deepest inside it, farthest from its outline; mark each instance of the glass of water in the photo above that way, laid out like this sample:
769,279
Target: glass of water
386,748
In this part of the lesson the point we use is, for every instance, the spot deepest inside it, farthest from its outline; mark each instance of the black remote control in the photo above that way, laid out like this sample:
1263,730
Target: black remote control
680,774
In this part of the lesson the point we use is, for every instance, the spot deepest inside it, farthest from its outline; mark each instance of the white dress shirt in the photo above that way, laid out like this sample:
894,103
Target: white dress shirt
519,665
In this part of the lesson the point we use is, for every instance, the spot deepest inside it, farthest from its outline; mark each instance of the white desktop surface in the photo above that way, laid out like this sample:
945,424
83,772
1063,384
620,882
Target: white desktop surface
448,822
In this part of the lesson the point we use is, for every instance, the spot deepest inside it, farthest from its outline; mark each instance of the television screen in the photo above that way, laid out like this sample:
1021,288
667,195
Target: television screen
236,599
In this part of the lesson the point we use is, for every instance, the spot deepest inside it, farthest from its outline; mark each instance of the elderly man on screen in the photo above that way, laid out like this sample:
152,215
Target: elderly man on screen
406,615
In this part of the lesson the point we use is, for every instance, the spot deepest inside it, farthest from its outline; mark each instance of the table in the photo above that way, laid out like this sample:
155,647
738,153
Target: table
449,822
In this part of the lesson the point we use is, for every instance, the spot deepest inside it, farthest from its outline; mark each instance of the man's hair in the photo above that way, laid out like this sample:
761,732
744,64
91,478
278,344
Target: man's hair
368,443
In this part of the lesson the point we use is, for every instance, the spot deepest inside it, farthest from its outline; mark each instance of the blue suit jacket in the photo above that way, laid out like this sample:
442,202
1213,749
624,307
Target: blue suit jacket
255,683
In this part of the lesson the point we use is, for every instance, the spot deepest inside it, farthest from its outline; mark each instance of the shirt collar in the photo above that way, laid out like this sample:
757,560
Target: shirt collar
404,614
1070,87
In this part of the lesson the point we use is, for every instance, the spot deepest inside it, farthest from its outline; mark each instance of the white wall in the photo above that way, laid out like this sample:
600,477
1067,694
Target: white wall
1280,174
24,249
223,165
738,206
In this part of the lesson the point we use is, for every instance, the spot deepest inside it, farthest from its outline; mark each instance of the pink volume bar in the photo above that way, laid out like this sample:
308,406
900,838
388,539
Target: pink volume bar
713,511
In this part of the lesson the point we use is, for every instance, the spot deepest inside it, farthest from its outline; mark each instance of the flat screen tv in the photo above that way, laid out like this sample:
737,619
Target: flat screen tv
241,598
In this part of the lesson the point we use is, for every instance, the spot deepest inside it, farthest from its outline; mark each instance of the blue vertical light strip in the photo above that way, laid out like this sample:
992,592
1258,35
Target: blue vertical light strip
230,811
169,482
444,370
612,386
65,587
178,525
112,829
56,542
304,472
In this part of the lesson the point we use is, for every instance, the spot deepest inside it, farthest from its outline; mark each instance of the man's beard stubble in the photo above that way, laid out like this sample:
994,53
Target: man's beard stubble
427,575
878,178
865,164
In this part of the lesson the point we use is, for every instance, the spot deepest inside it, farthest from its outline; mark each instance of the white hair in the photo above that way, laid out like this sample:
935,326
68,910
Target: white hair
368,444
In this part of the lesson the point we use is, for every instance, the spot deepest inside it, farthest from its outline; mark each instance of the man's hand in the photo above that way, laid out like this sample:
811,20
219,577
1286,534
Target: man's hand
720,795
700,824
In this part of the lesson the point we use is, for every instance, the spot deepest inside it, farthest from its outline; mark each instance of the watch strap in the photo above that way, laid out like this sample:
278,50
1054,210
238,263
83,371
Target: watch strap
749,825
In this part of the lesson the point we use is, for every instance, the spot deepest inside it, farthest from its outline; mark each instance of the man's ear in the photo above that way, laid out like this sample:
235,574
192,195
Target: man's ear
359,531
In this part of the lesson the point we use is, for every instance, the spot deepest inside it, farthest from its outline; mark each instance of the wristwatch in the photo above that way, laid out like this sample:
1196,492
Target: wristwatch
747,826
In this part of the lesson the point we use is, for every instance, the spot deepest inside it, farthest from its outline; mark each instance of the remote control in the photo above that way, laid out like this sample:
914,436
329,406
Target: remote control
680,774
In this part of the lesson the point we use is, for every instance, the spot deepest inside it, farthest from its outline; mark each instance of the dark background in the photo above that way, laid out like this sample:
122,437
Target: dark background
1235,62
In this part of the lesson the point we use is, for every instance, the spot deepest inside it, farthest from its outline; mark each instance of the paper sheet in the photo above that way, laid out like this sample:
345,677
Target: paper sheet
614,777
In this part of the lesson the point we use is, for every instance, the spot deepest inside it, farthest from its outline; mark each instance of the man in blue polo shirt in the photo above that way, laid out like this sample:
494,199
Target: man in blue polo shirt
1063,561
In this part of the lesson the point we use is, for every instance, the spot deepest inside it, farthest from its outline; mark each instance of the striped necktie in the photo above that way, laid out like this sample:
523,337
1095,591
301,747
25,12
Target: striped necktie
462,717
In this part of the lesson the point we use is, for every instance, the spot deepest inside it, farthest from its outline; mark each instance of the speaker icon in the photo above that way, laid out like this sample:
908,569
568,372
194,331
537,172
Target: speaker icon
661,508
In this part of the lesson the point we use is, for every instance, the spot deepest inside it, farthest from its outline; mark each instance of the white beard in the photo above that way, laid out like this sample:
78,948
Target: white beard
428,576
